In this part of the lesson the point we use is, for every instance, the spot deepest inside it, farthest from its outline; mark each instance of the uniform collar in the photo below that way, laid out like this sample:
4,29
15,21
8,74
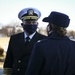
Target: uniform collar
31,36
54,35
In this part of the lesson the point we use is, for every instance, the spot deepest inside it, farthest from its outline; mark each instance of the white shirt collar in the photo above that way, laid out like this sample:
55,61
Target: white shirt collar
31,36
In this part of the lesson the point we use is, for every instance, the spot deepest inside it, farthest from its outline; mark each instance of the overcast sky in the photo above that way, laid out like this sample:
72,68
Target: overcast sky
9,9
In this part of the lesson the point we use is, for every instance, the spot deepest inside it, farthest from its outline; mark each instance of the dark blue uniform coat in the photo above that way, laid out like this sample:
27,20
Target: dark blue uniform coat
53,56
18,54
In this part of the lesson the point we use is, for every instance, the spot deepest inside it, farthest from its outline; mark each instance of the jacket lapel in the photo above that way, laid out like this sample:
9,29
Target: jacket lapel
21,45
27,50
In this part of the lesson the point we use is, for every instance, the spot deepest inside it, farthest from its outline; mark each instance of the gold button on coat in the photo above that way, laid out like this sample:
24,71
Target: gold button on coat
19,61
18,69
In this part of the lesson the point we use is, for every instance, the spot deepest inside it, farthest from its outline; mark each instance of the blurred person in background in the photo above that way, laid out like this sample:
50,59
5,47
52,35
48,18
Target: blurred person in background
21,45
1,54
56,54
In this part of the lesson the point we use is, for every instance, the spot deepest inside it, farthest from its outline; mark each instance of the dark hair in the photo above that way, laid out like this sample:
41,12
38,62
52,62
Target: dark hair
60,30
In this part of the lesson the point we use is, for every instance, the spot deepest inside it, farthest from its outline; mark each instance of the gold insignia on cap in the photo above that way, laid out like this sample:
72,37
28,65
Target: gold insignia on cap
29,17
30,12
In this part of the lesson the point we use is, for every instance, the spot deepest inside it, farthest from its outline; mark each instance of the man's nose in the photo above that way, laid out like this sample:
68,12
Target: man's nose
31,23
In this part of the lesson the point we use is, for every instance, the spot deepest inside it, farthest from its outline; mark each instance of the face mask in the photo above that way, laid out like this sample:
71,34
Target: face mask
30,28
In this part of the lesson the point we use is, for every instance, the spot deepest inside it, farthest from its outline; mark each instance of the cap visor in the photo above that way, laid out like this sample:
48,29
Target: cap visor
46,19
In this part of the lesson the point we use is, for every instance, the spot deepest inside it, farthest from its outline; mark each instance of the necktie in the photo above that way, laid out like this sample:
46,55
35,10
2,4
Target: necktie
27,41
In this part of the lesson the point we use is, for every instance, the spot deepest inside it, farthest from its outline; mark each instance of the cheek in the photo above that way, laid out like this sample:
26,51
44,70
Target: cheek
36,22
24,22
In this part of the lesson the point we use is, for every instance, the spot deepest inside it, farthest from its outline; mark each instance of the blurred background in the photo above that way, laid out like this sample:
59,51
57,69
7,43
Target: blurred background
10,24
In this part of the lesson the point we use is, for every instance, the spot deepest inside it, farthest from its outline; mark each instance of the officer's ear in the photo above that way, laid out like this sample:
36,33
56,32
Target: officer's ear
37,23
21,24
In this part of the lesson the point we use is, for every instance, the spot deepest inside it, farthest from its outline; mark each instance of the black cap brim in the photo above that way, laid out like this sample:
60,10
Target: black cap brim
46,19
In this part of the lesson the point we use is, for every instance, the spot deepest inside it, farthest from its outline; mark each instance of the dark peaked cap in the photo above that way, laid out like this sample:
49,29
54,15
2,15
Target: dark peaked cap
57,18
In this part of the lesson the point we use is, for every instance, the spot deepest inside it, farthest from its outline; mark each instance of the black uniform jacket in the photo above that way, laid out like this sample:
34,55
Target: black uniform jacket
53,56
18,54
